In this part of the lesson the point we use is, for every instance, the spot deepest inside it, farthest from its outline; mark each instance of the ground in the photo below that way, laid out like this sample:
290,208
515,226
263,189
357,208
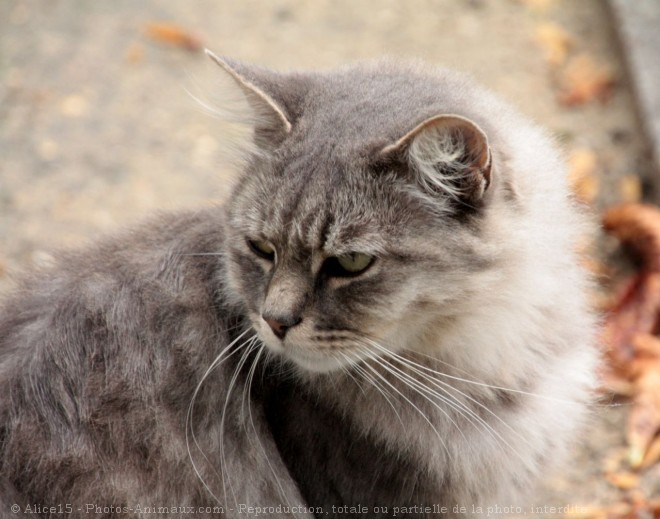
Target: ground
98,129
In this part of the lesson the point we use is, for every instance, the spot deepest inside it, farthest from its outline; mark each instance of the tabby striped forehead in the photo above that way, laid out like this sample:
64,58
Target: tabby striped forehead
328,212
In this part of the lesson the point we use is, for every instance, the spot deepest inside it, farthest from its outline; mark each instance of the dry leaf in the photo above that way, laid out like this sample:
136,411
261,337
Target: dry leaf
634,352
646,346
615,383
637,226
635,507
619,510
554,41
623,480
644,417
582,166
652,455
630,189
586,512
584,80
173,34
637,312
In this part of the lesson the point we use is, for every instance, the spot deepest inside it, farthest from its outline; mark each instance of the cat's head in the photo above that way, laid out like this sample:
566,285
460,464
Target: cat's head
358,222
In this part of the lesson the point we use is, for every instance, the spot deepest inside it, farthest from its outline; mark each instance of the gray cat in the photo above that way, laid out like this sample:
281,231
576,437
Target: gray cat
386,319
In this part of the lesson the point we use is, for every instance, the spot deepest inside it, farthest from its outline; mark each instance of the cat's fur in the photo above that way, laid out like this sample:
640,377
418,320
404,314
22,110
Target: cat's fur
450,372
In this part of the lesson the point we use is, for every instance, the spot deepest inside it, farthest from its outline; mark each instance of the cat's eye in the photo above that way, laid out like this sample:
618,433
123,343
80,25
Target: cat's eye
350,264
262,249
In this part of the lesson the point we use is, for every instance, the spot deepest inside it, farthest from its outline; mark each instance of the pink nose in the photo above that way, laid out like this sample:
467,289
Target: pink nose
281,325
278,328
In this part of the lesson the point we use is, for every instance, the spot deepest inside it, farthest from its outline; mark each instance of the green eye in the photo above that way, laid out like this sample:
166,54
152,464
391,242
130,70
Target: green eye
354,262
262,249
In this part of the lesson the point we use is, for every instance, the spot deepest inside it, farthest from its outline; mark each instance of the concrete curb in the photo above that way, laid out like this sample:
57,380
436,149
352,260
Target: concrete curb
638,23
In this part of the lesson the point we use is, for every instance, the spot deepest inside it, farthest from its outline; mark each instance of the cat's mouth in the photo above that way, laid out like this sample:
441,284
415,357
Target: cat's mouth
314,360
306,353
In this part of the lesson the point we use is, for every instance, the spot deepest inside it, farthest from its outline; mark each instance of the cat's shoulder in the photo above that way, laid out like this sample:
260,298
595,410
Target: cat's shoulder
169,261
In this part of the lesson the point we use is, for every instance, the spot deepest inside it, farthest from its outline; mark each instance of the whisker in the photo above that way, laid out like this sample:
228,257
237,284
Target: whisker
442,386
189,415
365,375
232,383
420,389
476,382
375,372
250,378
347,371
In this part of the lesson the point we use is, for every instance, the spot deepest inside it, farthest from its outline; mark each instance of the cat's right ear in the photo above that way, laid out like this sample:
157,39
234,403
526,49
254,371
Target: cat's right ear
265,94
447,154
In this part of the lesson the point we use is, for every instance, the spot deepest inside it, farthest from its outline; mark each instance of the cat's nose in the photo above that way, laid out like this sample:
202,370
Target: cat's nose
281,324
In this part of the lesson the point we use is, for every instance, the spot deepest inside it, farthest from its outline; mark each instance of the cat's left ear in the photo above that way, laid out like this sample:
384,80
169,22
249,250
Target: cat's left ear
447,154
266,93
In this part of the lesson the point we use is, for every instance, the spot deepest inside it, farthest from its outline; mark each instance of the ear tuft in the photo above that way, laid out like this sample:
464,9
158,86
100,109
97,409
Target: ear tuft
448,154
261,89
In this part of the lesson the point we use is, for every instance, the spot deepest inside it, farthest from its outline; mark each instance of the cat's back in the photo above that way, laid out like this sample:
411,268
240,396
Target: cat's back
166,260
99,355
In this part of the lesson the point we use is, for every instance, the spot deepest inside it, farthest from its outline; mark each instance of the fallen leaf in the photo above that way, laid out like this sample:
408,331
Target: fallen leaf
636,312
173,34
619,510
633,351
630,189
582,166
652,455
584,80
644,418
636,506
586,512
615,383
623,480
554,41
646,346
637,226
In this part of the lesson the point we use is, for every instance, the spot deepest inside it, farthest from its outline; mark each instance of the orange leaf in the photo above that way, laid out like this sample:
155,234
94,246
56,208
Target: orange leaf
173,34
554,41
638,226
644,417
630,189
646,346
652,455
636,313
584,80
623,480
582,166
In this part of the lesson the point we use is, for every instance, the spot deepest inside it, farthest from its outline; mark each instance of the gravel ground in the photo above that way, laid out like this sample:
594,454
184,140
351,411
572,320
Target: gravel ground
97,129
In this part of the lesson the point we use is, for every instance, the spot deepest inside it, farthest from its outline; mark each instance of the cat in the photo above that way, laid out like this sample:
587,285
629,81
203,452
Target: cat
387,318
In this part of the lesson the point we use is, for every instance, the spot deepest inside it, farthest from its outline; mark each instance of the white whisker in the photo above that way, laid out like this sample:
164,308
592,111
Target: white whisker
420,389
189,423
232,383
483,384
365,375
421,413
442,387
250,378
